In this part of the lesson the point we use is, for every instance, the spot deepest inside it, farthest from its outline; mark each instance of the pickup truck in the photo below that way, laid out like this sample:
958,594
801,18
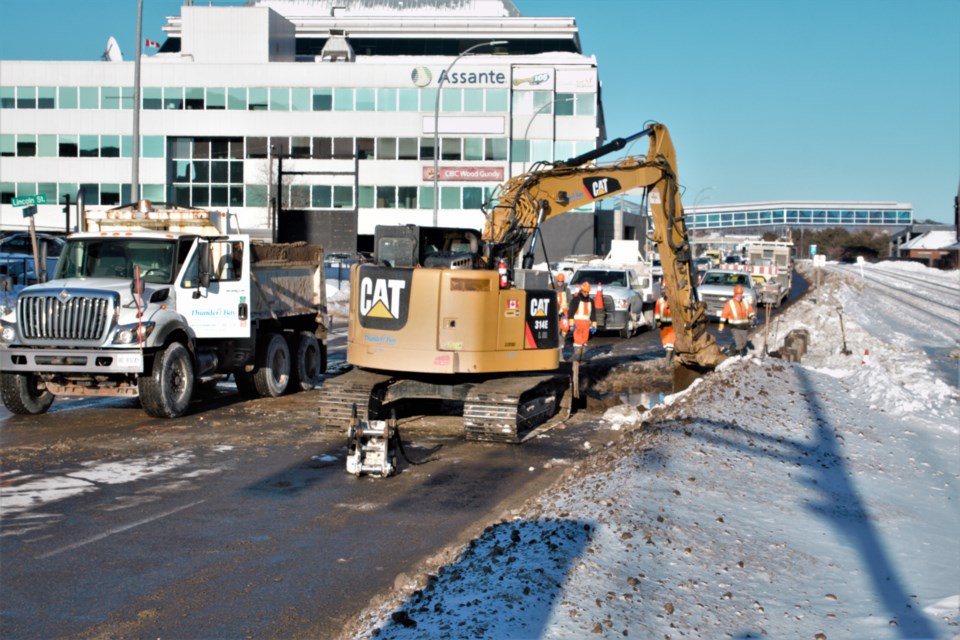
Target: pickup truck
628,297
716,287
159,299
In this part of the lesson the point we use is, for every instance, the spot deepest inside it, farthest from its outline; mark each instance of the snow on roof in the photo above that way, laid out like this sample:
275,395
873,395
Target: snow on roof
341,8
933,240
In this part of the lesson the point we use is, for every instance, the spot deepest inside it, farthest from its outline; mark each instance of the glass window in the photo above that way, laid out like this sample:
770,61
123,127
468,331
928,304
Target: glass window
8,145
343,147
495,149
110,98
428,99
256,195
496,99
219,148
152,192
47,146
473,100
299,196
473,148
236,195
386,148
8,98
449,197
201,148
26,189
200,195
472,197
236,171
279,99
323,99
26,97
91,192
216,98
541,150
407,148
542,102
7,192
46,97
343,99
366,99
256,148
426,197
126,101
69,145
564,149
323,148
386,197
451,101
152,98
89,98
181,148
450,149
109,146
219,196
48,189
220,171
366,197
201,171
386,99
343,197
126,149
564,105
408,100
110,194
585,104
520,150
173,98
426,148
299,147
68,188
181,170
321,196
237,99
407,197
300,99
26,145
89,146
67,97
258,99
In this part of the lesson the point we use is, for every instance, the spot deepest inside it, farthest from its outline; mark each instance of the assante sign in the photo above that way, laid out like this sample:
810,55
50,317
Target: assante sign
471,77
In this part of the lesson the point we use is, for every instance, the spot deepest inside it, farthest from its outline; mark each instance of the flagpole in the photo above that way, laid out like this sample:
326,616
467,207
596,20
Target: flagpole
135,173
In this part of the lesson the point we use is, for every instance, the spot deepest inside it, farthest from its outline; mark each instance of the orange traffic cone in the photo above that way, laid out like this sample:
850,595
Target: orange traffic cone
866,357
598,300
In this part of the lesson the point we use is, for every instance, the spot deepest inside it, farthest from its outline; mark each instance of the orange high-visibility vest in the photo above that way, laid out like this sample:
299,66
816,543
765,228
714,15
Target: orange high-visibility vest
738,314
662,313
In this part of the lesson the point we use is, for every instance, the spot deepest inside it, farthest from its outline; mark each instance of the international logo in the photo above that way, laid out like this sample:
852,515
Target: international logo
383,297
421,76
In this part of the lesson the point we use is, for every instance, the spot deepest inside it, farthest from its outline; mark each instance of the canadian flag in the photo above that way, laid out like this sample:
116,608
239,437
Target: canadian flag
151,43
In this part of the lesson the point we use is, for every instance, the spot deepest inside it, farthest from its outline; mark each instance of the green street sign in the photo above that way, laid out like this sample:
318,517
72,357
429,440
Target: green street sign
25,201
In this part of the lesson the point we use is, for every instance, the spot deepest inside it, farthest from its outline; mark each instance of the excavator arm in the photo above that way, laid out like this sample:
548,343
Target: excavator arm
526,201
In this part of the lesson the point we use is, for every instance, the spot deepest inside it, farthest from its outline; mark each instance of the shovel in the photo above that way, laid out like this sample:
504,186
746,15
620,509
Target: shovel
843,334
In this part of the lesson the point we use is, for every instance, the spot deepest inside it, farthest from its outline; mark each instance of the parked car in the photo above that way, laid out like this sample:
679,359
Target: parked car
716,287
703,263
624,307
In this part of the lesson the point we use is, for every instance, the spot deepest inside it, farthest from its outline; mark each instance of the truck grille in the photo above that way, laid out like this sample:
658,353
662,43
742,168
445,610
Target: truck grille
78,317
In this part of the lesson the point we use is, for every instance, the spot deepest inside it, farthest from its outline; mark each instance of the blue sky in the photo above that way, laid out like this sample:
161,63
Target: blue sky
765,100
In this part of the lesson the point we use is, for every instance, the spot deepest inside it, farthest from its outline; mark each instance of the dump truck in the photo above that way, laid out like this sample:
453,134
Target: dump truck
150,300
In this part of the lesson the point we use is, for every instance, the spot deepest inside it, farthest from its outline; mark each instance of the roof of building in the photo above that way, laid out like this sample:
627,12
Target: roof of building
359,8
932,240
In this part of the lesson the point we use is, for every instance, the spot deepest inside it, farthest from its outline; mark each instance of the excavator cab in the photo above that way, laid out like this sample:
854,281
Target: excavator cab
410,245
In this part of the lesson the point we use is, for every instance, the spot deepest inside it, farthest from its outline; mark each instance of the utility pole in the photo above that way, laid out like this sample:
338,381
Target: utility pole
135,171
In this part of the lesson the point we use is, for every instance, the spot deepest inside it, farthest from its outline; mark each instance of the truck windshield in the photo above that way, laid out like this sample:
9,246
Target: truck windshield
117,258
595,276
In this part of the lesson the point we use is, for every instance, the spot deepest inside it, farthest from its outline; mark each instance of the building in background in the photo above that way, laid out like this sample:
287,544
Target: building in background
338,95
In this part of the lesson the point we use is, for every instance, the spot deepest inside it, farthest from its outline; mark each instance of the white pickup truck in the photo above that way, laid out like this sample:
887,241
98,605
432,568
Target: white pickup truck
152,300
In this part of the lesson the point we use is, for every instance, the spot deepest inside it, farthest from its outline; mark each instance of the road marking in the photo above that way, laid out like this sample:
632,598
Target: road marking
109,533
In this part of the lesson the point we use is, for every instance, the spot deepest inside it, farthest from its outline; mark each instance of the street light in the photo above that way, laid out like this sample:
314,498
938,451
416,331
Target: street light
527,130
436,121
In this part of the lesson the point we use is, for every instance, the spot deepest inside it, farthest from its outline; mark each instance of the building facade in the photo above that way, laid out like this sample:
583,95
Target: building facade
342,107
788,214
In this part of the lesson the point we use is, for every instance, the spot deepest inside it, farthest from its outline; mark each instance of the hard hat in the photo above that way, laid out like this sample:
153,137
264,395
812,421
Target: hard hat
738,290
585,287
561,277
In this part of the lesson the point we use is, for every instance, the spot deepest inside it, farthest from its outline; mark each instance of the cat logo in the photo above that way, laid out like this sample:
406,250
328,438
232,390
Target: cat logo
597,187
539,307
383,297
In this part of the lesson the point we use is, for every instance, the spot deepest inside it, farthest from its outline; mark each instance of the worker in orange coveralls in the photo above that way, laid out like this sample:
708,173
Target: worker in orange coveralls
584,320
664,320
563,303
740,314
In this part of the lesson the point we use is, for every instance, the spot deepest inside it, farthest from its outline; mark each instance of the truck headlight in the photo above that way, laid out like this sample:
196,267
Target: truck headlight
623,304
7,332
127,334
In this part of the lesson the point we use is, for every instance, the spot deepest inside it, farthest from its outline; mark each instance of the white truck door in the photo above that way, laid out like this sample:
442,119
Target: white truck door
222,308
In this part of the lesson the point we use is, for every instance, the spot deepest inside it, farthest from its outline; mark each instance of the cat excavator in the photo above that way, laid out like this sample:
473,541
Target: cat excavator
443,314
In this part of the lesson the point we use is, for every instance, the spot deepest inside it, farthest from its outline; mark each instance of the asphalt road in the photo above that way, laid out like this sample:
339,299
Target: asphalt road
239,519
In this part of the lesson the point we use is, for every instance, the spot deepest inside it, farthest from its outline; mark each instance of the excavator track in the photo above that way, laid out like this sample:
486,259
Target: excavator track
501,410
339,394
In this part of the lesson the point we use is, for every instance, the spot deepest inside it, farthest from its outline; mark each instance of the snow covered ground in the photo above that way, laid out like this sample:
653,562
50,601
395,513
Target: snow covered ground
814,500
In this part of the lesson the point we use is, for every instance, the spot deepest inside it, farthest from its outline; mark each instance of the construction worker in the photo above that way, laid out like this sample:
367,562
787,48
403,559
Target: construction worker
664,321
563,303
740,314
584,320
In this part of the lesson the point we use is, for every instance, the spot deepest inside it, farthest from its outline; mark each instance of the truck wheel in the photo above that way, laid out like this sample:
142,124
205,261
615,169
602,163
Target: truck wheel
309,361
627,331
273,367
21,394
167,391
246,387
